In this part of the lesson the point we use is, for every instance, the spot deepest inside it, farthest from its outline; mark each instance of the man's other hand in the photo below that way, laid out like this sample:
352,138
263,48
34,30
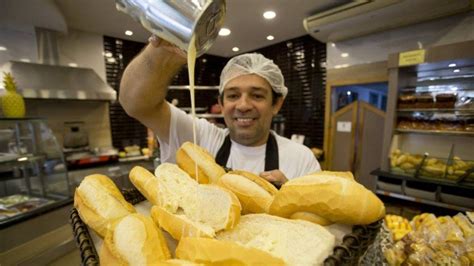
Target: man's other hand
156,42
275,177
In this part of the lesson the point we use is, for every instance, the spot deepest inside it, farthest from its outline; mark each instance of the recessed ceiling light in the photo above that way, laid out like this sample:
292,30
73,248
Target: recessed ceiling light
333,44
344,55
456,70
128,32
72,64
111,60
25,60
3,48
349,93
269,15
452,65
235,49
224,32
270,37
108,54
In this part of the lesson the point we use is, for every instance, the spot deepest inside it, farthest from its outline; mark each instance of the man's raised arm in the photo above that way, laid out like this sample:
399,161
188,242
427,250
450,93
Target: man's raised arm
145,83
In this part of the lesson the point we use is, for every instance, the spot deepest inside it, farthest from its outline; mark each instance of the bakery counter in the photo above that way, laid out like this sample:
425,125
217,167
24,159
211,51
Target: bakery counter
117,171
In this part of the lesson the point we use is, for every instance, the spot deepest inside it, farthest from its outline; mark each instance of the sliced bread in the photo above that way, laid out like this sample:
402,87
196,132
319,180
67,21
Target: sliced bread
255,193
184,207
189,154
296,242
134,240
99,203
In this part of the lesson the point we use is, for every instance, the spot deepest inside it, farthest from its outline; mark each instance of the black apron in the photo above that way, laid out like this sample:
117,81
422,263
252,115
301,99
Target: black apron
271,153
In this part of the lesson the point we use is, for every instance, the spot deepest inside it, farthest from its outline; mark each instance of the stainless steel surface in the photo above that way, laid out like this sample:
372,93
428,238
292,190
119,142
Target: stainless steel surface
178,21
59,82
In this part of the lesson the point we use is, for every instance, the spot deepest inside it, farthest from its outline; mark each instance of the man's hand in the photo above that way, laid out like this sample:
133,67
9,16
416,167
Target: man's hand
156,42
275,177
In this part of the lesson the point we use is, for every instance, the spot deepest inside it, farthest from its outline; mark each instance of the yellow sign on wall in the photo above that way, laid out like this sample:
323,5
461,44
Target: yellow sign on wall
414,57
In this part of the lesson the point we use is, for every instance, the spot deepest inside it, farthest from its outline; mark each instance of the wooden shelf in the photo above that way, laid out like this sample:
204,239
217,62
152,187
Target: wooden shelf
435,132
423,201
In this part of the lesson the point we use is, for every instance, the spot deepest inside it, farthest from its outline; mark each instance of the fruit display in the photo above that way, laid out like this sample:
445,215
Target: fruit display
407,163
431,240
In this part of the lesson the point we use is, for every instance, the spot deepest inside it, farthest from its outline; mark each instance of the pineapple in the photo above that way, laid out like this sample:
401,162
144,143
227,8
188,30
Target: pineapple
13,105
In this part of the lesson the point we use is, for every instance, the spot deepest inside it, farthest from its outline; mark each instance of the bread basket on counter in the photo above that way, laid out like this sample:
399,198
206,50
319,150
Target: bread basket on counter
349,252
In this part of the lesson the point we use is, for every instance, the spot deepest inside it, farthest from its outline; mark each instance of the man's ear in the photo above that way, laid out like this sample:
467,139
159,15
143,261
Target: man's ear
278,104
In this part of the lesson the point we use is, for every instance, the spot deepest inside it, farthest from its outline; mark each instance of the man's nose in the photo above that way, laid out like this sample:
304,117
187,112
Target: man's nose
244,104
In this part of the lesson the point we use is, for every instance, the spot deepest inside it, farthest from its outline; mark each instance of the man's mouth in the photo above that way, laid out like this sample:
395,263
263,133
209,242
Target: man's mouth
243,122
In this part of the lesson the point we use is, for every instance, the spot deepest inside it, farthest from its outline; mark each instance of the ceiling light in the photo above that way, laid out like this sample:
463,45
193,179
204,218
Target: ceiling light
270,37
224,32
111,60
25,60
108,54
452,65
348,93
456,70
269,15
235,49
333,44
72,64
344,55
3,48
128,32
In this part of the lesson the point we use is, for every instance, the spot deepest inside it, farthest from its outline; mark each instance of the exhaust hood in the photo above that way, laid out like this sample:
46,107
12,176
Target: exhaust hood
49,80
43,81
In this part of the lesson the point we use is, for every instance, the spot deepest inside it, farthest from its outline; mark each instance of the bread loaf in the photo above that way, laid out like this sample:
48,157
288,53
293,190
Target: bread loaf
310,217
184,207
99,202
214,252
296,242
255,193
331,197
134,240
175,262
188,155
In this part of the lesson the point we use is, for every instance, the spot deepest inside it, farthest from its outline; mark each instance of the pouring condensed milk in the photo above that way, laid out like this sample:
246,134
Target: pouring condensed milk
191,25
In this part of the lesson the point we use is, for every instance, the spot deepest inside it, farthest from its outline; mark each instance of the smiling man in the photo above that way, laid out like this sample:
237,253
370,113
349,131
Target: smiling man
252,91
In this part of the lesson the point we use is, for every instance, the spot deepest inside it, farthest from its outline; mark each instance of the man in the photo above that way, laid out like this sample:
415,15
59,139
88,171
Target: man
251,91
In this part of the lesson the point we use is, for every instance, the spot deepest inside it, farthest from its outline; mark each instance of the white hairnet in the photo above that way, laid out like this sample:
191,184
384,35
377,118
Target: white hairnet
254,64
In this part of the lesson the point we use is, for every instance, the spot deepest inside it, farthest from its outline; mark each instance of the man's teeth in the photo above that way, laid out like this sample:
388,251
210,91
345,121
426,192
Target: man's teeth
244,119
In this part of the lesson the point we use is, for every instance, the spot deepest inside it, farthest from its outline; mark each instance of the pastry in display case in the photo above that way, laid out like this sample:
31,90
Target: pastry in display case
33,174
428,131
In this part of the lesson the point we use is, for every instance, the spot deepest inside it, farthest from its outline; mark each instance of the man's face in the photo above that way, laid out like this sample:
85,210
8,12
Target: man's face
248,110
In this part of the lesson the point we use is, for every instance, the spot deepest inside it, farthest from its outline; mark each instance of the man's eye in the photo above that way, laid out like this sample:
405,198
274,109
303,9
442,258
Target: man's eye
258,96
232,96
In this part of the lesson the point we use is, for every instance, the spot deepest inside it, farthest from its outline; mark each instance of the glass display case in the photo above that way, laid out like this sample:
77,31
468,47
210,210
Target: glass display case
429,131
33,173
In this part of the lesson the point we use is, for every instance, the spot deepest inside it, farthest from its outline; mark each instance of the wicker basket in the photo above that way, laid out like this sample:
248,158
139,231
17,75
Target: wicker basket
349,252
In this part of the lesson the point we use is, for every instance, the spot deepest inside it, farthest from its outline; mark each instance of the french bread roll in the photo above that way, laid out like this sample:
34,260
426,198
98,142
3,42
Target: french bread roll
175,262
255,193
99,202
188,155
213,252
184,207
296,242
310,217
134,240
337,199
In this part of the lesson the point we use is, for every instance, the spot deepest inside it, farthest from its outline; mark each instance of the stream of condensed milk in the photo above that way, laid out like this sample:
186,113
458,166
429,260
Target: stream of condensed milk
191,64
